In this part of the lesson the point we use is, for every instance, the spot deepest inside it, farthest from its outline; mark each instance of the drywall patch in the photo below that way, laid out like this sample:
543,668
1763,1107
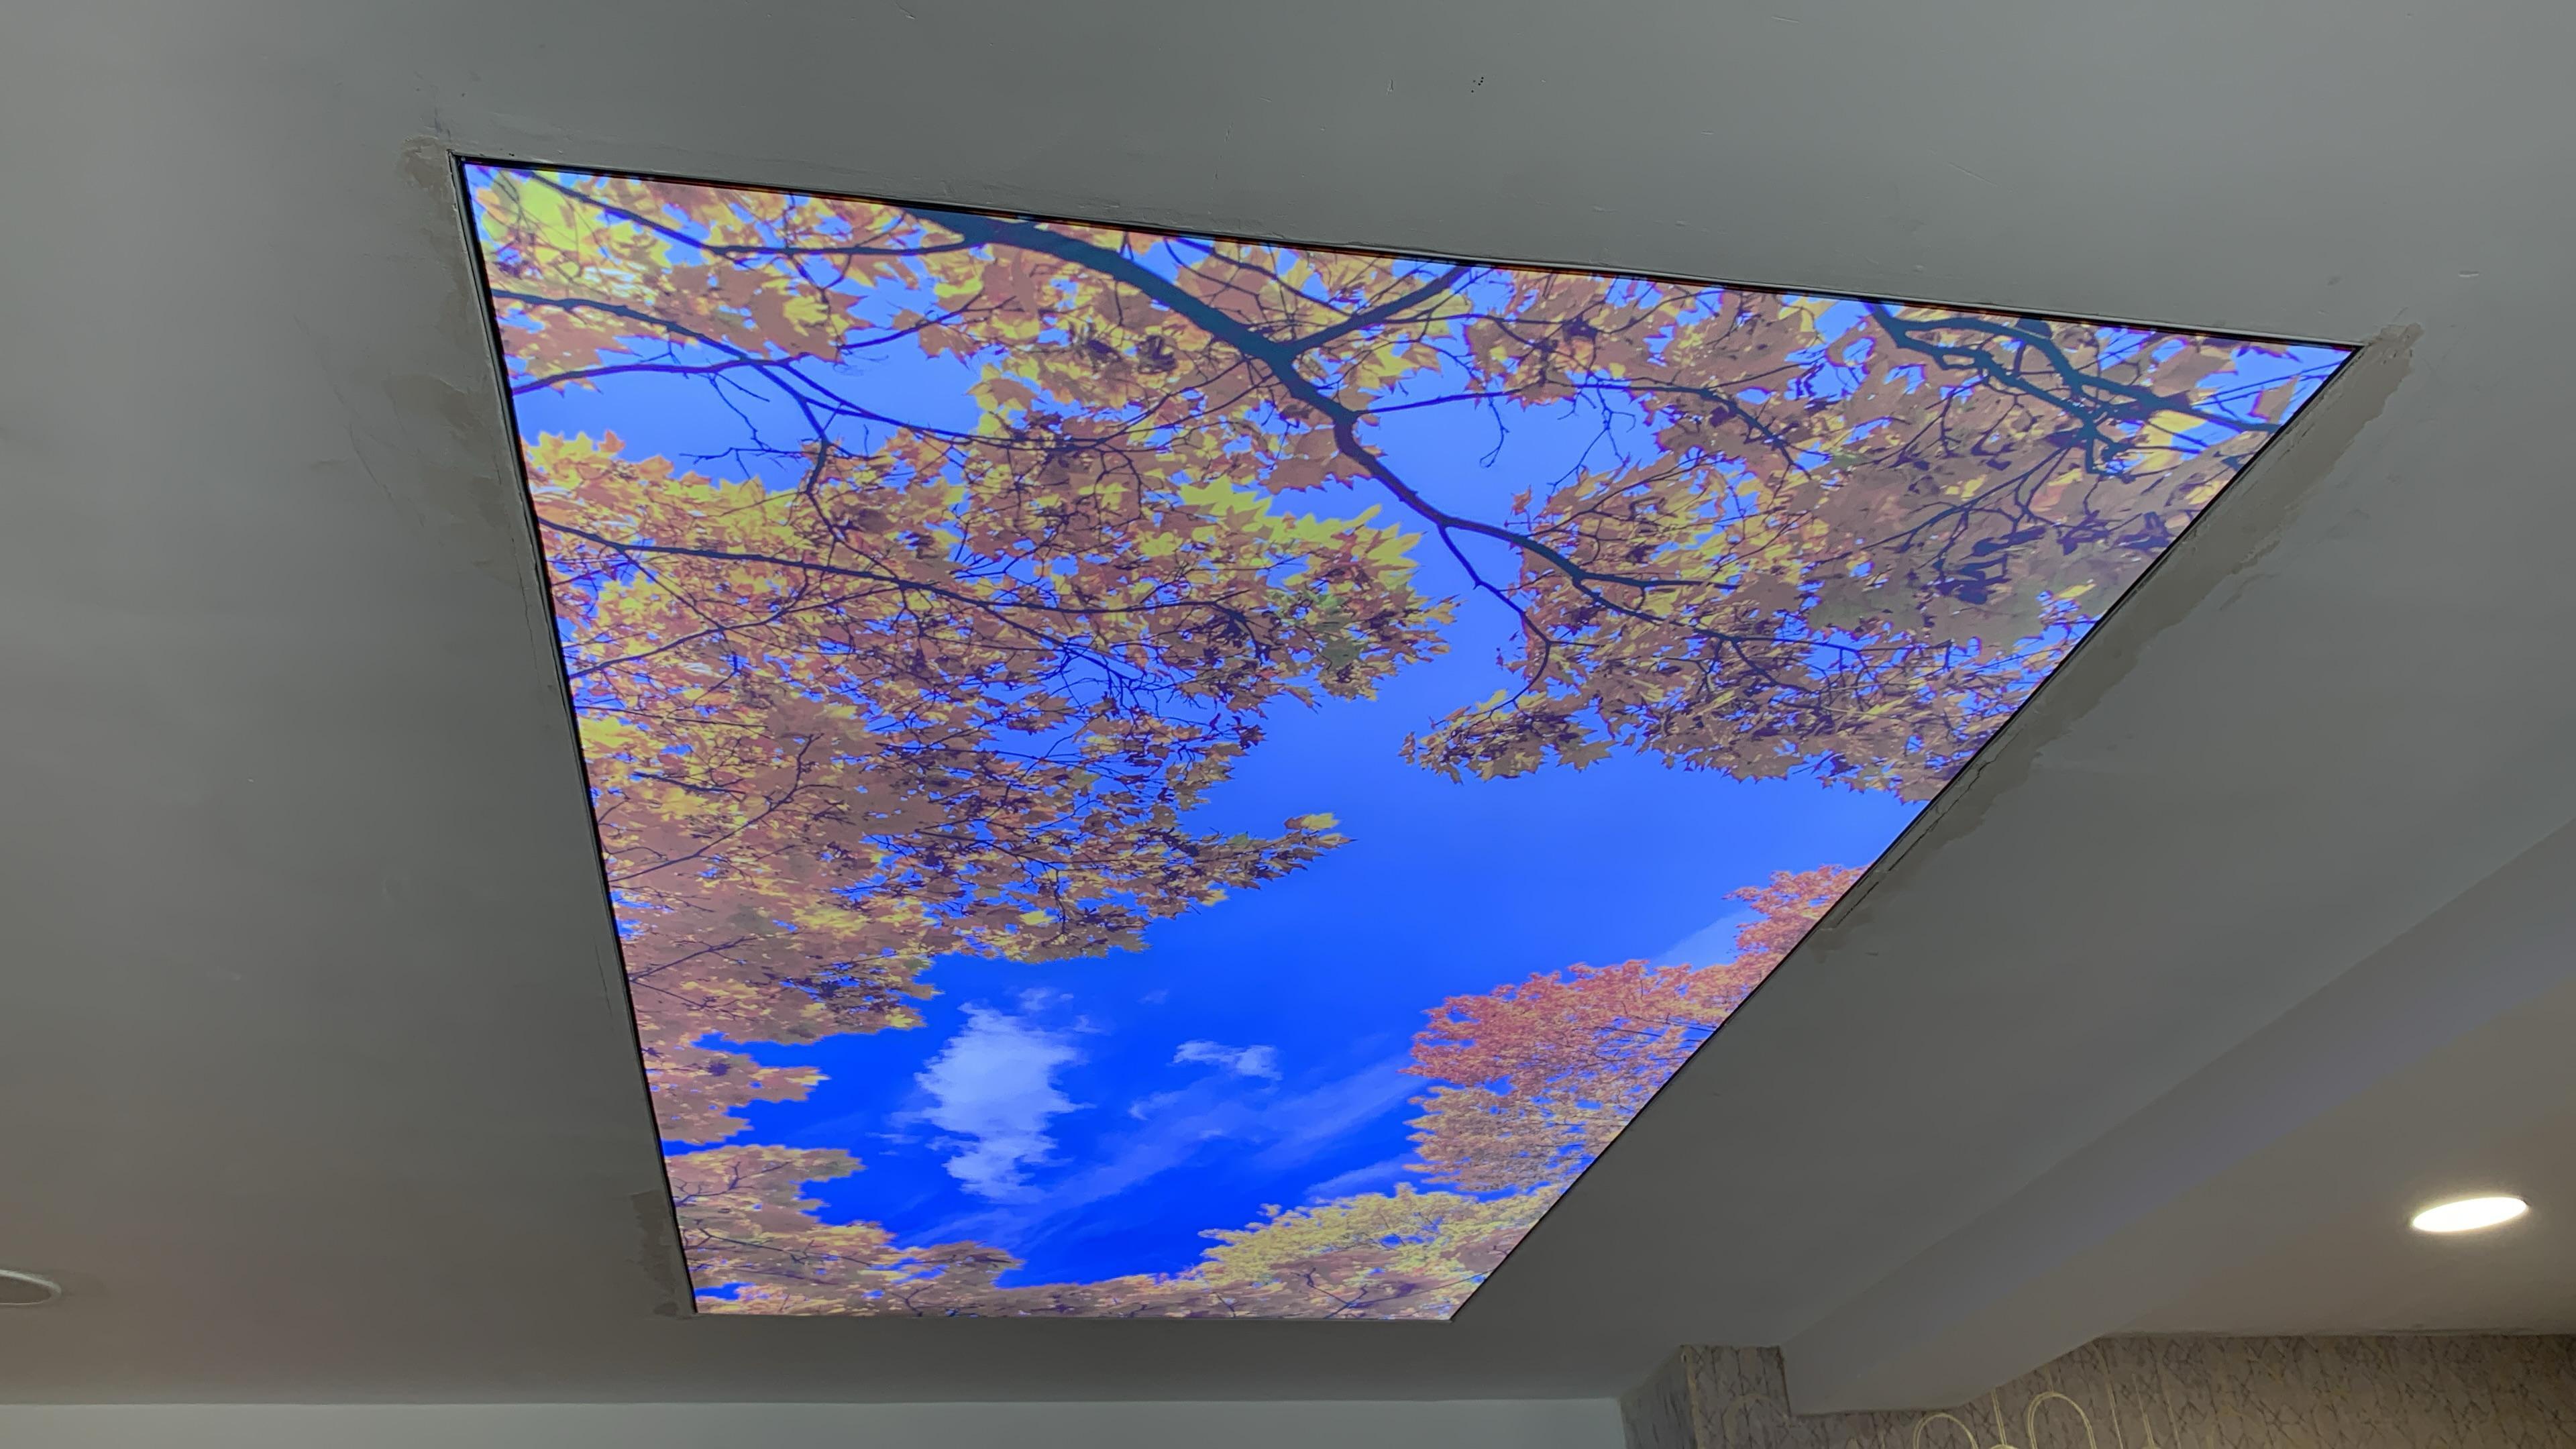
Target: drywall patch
657,1252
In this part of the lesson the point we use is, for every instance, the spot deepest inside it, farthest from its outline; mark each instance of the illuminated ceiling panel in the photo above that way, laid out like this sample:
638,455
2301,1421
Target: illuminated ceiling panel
1159,775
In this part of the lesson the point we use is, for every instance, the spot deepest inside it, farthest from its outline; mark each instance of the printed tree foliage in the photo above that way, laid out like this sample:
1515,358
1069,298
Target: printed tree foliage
1404,1254
880,687
929,734
1537,1078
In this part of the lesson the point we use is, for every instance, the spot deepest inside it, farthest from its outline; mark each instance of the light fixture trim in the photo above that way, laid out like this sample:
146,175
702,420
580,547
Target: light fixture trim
16,1289
2469,1214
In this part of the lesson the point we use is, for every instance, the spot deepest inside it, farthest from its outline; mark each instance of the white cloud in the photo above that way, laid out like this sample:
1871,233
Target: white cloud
1251,1061
1710,945
993,1090
1151,1103
1283,1131
1318,1119
1343,1184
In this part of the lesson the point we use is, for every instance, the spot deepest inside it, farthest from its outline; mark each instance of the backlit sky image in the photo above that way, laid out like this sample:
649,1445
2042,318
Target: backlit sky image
1145,775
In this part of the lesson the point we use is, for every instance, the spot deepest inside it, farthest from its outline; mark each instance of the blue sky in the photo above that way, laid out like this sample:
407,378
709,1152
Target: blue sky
1094,1116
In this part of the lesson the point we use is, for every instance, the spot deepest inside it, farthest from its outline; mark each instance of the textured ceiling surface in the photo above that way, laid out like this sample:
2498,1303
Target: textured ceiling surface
316,1035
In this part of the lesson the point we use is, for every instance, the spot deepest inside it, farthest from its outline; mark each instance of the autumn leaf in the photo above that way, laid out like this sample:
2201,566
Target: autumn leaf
908,688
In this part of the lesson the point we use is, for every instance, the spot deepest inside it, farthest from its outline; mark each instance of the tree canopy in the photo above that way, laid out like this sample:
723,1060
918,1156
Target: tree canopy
1533,1080
1536,1078
887,686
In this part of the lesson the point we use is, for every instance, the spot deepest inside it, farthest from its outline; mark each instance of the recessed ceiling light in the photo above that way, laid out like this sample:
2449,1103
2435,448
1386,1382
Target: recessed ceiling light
26,1290
2468,1214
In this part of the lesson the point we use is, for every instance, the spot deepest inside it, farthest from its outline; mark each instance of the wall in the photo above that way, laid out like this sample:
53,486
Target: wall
1485,1424
2157,1393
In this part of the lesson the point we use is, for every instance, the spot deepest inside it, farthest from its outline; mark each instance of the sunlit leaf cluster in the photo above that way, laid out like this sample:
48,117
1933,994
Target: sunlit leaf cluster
877,687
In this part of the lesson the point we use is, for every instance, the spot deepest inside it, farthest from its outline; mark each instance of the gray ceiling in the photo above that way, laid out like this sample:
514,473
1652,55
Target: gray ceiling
2252,932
